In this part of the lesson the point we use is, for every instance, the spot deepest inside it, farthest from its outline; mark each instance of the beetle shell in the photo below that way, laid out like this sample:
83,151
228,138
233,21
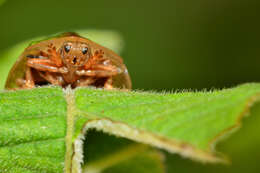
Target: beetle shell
121,80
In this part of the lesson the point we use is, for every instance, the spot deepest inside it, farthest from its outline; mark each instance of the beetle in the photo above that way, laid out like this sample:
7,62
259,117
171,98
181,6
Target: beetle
68,60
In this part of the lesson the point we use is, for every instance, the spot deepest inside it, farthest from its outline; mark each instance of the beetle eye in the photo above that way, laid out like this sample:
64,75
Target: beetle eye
84,50
67,48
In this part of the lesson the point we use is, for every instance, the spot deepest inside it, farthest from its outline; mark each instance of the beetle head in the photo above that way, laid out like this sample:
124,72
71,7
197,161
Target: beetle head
75,53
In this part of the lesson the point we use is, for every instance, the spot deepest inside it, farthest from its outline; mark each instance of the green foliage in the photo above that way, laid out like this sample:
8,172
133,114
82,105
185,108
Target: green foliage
32,133
41,127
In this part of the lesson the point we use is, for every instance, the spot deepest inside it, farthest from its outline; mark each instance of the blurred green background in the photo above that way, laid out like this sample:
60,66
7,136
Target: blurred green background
169,44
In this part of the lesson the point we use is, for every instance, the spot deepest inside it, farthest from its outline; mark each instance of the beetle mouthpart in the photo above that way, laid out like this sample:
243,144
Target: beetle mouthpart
74,60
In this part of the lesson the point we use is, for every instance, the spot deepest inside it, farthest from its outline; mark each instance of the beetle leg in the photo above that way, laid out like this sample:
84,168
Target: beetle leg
97,57
20,82
108,83
96,73
29,79
28,82
93,67
54,55
45,65
52,78
85,82
109,68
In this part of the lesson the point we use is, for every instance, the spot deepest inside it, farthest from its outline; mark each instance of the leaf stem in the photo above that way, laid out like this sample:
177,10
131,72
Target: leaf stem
71,111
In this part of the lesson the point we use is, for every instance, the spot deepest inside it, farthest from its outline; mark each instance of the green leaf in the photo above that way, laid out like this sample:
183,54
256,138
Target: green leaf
170,121
50,129
32,131
109,39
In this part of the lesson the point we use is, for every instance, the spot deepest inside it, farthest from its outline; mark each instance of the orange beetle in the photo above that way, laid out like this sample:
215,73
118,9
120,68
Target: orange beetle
68,60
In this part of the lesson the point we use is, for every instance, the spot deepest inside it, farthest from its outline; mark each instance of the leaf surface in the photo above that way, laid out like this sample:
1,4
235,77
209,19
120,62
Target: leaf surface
188,122
32,130
49,129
